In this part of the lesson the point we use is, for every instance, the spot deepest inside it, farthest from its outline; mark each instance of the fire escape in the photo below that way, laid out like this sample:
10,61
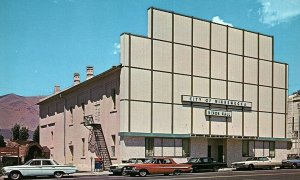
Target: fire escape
101,147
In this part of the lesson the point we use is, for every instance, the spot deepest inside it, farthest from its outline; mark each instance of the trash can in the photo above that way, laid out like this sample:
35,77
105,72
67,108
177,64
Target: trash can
98,164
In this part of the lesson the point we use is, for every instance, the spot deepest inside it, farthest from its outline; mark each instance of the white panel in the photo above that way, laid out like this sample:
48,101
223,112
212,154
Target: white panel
182,119
201,87
265,124
279,100
124,83
251,71
140,84
218,89
201,62
218,125
279,75
201,33
132,147
140,52
162,25
162,56
251,44
218,65
162,118
265,73
235,41
259,148
235,68
140,117
158,150
182,29
162,87
168,147
218,37
278,125
265,99
265,47
124,49
235,124
182,59
178,147
250,124
124,116
182,86
235,91
200,121
250,94
198,147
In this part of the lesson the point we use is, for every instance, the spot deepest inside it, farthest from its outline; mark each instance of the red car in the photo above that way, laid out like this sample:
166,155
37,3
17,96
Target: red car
160,165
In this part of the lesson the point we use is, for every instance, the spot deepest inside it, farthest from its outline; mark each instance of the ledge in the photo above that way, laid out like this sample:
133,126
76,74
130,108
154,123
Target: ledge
139,134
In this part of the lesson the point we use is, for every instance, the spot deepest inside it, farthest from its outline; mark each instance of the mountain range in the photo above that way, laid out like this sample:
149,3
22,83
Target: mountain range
18,109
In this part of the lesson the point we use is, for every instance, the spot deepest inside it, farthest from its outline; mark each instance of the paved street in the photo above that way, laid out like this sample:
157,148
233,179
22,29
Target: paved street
285,174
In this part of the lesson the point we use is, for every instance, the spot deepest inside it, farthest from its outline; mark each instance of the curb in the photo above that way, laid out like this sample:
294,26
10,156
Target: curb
91,173
226,169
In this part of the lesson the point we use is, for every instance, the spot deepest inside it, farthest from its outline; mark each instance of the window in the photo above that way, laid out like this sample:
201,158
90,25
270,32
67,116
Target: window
83,147
35,163
113,96
83,109
245,149
113,148
185,147
71,115
47,163
272,149
149,146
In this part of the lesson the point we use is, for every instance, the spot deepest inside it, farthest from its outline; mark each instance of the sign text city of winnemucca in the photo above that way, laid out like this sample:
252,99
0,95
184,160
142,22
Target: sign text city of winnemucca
227,102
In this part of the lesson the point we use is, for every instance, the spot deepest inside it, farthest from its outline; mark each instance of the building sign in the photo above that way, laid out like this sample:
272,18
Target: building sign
218,113
9,151
226,102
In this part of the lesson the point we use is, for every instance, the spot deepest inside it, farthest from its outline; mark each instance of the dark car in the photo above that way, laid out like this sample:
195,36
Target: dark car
291,162
205,164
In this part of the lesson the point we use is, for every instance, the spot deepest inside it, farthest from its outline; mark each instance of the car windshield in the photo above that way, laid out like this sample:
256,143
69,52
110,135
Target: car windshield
28,162
251,159
193,160
131,161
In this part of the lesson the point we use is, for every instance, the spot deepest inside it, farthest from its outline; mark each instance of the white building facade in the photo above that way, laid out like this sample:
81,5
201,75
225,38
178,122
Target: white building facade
190,88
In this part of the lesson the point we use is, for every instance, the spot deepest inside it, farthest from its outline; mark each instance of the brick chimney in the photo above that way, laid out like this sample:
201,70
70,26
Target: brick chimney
56,89
89,72
76,79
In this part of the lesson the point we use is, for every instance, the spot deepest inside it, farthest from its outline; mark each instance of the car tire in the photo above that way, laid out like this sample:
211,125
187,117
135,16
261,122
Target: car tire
215,169
142,173
294,166
58,174
251,167
177,172
123,173
15,175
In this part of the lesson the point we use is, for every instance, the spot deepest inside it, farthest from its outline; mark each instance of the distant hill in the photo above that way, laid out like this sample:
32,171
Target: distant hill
18,109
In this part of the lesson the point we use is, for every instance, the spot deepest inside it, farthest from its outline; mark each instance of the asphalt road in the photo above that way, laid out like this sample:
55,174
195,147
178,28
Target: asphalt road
286,174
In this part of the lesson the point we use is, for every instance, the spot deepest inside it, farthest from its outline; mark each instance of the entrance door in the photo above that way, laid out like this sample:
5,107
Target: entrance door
220,153
209,151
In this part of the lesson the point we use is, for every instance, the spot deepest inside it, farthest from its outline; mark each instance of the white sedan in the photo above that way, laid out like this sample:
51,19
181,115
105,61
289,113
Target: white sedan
256,163
38,167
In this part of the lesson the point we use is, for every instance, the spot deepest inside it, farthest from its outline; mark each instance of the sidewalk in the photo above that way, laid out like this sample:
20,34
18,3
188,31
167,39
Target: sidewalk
89,173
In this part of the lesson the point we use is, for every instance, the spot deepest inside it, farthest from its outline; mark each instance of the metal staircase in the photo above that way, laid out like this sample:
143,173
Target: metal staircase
101,147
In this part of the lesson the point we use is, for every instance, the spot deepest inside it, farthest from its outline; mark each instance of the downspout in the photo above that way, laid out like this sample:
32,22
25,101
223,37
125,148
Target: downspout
65,102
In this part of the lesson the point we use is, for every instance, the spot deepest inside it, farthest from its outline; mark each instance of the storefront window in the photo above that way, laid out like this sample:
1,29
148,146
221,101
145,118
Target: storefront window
245,149
149,147
185,147
272,149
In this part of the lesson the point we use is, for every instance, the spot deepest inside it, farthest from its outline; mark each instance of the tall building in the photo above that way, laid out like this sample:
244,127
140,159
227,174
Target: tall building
190,88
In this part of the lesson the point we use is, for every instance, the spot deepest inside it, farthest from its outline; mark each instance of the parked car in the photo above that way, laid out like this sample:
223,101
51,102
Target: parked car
205,164
291,162
256,163
164,166
118,168
38,167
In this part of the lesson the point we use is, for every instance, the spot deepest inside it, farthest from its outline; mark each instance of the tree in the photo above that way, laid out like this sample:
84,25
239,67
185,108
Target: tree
2,142
36,135
24,135
16,131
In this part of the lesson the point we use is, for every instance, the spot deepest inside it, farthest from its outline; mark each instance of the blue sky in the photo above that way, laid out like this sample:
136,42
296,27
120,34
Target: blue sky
42,43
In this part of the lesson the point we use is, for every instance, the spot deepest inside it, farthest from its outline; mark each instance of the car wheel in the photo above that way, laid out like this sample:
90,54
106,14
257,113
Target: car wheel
15,175
142,173
215,169
123,172
251,167
58,174
177,172
166,174
294,166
